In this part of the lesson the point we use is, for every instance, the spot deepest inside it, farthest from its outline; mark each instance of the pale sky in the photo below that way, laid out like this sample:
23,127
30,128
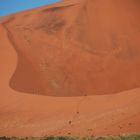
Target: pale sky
12,6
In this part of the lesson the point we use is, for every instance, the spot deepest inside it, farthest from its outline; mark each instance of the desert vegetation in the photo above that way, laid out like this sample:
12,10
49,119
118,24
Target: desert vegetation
119,137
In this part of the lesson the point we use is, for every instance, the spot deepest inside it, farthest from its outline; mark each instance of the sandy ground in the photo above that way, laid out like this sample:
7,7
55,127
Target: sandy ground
101,109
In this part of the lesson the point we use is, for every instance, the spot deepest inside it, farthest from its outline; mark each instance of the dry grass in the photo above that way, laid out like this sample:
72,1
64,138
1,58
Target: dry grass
121,137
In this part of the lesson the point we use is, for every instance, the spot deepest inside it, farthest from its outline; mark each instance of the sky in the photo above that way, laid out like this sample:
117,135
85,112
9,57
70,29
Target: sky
13,6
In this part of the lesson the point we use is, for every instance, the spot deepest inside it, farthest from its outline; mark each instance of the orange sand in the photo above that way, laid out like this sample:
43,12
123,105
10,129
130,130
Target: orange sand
89,49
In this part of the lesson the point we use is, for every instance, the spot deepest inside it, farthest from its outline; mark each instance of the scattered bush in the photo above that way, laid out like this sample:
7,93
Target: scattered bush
121,137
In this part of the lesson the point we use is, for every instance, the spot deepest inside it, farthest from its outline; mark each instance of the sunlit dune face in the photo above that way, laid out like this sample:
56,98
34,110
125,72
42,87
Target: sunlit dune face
108,18
90,48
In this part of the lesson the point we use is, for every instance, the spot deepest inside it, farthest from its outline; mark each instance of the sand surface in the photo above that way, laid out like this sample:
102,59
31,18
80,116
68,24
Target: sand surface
84,56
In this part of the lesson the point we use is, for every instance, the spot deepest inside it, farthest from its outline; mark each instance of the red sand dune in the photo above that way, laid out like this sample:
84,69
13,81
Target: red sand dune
89,49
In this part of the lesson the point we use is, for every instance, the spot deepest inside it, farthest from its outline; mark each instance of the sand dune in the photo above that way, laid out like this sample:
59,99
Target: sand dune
89,49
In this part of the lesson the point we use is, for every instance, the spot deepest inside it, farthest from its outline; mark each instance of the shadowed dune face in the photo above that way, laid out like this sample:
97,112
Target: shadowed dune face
92,47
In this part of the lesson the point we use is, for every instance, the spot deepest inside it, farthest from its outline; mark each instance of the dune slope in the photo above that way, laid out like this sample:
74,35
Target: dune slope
77,48
88,49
